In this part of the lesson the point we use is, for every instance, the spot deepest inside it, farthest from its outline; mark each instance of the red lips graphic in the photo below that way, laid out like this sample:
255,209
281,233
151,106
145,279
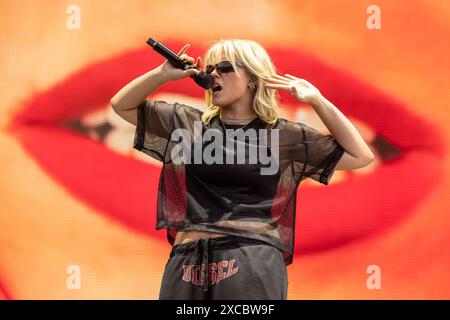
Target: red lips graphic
124,189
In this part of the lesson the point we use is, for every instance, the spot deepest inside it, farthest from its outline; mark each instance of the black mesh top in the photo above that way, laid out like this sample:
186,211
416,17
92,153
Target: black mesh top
231,191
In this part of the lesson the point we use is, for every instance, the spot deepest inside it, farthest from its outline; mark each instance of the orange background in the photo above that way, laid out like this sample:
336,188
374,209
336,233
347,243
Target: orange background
44,228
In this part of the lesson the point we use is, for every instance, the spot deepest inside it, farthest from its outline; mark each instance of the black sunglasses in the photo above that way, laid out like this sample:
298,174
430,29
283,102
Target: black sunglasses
222,67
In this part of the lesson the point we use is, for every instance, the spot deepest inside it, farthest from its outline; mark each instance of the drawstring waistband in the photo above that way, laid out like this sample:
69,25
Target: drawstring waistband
205,251
203,246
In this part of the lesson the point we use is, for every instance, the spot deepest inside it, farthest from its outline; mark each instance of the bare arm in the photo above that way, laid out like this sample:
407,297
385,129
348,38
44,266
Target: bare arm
357,153
125,102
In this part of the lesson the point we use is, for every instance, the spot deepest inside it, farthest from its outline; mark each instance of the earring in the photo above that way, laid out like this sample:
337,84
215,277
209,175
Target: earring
252,87
253,80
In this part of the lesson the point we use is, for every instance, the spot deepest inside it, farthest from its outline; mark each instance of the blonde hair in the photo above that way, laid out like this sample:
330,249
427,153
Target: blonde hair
258,63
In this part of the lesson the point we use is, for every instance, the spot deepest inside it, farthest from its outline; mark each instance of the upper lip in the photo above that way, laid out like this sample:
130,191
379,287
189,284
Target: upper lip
362,206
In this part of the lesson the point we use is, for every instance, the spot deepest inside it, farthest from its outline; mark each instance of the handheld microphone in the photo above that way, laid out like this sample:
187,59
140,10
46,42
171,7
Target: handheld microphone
203,79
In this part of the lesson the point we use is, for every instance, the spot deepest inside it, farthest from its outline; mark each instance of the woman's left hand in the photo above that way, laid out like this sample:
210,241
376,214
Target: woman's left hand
301,89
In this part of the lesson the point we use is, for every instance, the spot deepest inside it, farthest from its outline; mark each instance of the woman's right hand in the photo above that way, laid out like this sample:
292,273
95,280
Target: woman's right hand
171,73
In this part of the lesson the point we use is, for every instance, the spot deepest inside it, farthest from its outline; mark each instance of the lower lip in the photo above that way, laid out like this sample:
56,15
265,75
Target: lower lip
216,92
91,171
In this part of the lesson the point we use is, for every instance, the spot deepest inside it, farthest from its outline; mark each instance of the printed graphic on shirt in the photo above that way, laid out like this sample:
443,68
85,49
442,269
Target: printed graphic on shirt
217,271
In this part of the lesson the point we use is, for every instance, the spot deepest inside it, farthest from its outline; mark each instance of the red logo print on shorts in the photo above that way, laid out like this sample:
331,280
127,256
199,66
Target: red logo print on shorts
217,271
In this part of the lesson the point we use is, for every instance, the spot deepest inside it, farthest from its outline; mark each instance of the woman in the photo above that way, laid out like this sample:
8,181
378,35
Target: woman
228,184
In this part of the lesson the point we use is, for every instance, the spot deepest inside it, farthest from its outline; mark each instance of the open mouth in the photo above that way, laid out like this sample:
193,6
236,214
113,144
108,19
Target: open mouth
216,88
54,128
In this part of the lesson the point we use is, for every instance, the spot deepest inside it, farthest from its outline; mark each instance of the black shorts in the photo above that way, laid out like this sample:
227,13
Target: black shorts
238,268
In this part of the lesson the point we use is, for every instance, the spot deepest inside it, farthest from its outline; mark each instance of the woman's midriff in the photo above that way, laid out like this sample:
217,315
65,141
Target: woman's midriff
251,226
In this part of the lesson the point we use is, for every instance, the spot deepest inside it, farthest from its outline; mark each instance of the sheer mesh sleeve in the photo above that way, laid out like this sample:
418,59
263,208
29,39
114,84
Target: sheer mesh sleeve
154,126
315,154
